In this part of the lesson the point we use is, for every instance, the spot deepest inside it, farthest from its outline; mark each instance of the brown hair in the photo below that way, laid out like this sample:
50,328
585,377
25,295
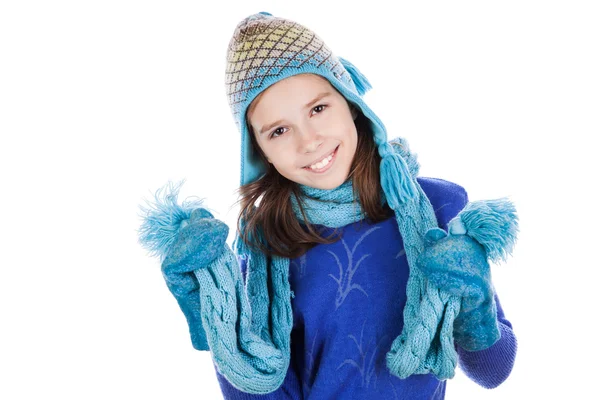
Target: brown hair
274,217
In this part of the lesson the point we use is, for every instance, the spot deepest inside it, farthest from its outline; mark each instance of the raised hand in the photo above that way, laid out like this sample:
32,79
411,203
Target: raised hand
458,264
186,237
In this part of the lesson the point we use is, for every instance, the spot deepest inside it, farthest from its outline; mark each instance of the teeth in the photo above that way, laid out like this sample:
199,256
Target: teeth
323,163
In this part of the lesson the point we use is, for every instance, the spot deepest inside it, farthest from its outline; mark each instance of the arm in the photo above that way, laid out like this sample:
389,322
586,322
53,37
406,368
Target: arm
492,366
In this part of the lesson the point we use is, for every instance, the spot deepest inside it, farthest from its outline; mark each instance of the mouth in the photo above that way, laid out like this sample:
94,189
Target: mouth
331,157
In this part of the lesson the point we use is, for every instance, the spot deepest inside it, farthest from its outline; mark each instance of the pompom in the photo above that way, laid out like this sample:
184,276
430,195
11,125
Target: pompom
163,218
494,224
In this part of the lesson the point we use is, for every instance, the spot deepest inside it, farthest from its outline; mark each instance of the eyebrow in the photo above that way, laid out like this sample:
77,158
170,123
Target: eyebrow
310,103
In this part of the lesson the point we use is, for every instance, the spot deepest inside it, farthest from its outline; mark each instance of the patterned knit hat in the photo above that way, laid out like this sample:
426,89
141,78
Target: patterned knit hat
264,50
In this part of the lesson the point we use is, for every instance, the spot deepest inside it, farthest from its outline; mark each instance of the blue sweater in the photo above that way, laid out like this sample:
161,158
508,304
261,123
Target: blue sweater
348,308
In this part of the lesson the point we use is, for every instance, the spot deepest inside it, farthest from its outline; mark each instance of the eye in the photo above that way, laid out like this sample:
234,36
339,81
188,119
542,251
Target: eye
278,131
318,109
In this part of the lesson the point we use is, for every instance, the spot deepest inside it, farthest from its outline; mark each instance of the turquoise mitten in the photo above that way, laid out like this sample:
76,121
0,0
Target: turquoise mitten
187,237
457,262
458,265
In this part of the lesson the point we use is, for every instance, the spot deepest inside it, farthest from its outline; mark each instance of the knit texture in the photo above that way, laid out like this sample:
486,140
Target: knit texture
458,265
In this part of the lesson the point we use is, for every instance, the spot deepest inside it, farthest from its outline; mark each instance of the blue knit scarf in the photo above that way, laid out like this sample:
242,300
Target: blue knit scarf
249,333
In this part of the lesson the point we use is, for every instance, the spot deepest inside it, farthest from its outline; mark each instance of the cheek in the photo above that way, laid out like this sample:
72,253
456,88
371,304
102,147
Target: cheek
352,135
353,145
280,157
268,150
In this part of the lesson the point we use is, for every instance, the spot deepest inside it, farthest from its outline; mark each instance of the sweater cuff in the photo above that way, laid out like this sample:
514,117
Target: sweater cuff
492,366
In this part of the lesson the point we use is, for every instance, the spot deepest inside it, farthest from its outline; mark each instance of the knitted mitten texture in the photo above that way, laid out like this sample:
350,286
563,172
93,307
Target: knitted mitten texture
457,263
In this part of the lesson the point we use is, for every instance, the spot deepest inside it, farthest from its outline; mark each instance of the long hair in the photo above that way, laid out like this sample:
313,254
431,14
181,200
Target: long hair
274,217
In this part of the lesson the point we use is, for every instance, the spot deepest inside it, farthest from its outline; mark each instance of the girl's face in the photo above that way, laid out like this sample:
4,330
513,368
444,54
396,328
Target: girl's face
302,122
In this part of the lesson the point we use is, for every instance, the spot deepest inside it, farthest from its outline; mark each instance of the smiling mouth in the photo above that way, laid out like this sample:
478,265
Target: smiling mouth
323,168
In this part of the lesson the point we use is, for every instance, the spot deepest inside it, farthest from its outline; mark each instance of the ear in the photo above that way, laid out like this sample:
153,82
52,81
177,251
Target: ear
354,112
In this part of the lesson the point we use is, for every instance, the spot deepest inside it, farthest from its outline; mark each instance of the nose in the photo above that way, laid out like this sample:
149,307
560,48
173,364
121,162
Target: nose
310,139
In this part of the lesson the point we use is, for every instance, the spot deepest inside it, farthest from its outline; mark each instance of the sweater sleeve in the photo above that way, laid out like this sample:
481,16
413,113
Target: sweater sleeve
446,198
492,366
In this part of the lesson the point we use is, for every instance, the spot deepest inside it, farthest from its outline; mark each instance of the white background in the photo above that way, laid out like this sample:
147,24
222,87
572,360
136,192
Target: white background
103,102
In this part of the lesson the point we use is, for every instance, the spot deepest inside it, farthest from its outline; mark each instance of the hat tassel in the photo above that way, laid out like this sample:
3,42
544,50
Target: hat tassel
395,178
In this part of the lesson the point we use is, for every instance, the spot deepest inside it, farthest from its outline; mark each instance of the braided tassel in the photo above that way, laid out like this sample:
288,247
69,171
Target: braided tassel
396,179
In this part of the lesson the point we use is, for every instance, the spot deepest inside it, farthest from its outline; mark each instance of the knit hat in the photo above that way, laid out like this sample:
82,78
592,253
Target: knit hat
264,50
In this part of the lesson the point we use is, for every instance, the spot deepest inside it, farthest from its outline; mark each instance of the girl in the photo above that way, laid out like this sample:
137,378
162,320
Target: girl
354,278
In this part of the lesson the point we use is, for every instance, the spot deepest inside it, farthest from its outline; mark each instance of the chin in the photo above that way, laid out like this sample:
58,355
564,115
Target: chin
327,184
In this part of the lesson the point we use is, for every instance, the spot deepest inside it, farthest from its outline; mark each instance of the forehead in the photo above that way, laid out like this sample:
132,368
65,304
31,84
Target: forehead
301,85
